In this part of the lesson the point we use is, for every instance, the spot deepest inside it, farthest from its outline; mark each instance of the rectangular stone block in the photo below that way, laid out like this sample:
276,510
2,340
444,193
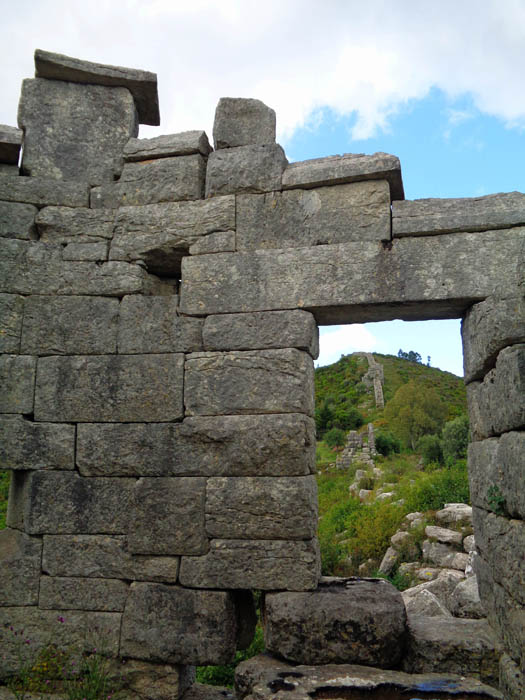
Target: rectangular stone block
96,252
57,593
240,121
152,325
43,191
264,330
17,379
298,218
67,225
10,143
25,445
176,625
262,381
70,325
20,559
184,143
261,508
255,168
261,564
217,242
266,445
18,221
11,314
118,388
168,516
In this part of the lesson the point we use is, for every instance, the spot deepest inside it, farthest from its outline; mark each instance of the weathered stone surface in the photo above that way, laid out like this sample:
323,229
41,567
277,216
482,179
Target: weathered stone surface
465,601
217,242
444,535
424,602
350,167
511,679
242,121
267,445
259,564
245,169
143,680
17,221
20,558
261,507
86,251
44,191
497,404
142,84
344,620
154,181
70,325
8,170
57,593
152,325
203,691
264,330
103,556
444,555
469,544
429,277
426,217
389,560
67,225
17,379
10,143
110,388
442,586
185,143
177,625
455,513
487,328
75,132
263,381
299,218
11,313
26,445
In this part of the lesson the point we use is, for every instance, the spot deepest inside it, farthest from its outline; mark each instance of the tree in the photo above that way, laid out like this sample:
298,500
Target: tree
334,438
455,439
411,355
415,411
430,448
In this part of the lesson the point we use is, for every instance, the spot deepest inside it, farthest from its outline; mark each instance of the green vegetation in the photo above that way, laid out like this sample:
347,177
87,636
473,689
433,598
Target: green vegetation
224,675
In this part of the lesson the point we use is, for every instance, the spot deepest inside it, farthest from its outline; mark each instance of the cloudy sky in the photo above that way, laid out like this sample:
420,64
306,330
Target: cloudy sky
440,84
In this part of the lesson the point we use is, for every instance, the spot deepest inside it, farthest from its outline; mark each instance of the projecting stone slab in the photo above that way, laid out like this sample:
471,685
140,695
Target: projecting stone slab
426,217
75,132
11,313
25,445
17,379
261,507
44,191
58,593
10,144
185,143
217,242
173,624
18,221
260,564
142,84
168,516
497,404
152,325
20,558
487,328
118,388
298,218
67,225
350,167
245,169
344,620
96,252
263,381
267,445
242,121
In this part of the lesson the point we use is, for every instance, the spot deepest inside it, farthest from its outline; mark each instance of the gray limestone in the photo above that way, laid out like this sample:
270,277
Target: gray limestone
458,513
143,680
44,192
204,691
8,170
10,143
444,535
424,602
442,586
244,382
444,555
110,388
256,168
465,601
216,242
27,446
68,593
67,225
242,121
96,252
20,559
262,445
185,143
511,679
11,314
17,379
18,221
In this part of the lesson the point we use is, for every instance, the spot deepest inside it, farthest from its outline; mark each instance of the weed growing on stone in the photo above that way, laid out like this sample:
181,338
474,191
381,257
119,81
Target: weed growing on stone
496,500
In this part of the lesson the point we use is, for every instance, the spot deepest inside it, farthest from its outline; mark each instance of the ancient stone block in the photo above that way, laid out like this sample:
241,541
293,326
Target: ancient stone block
185,143
143,680
245,169
11,313
424,602
487,328
57,593
511,679
73,131
444,555
465,601
110,388
43,192
344,620
261,508
267,445
67,225
270,329
8,170
168,516
20,558
442,586
203,691
176,625
260,564
17,221
86,251
299,218
240,122
497,404
458,513
70,325
10,143
151,325
217,242
26,445
263,381
17,379
350,167
444,535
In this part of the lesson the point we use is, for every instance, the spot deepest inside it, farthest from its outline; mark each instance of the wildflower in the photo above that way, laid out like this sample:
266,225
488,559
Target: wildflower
61,619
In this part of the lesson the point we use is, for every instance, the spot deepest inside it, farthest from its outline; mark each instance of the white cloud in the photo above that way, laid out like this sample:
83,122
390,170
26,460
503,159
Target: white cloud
343,340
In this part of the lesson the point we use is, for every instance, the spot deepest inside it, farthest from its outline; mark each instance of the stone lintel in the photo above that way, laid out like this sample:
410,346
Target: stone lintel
184,143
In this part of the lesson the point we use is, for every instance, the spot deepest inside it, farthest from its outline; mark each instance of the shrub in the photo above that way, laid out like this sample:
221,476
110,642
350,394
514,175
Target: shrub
432,490
455,439
224,675
386,443
430,448
335,437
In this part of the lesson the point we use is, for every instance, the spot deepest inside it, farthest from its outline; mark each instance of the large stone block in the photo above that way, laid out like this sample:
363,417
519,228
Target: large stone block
70,325
67,225
242,121
497,404
261,508
185,143
18,221
110,388
76,132
67,593
142,680
298,218
10,144
216,242
263,381
267,445
176,625
25,445
17,379
20,559
44,191
245,169
11,314
260,564
96,252
168,516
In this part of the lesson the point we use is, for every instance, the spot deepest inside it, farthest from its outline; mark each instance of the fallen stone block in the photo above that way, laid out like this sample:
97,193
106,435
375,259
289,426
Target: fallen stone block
444,555
44,191
25,445
67,593
18,221
185,143
17,379
389,560
424,602
444,535
10,144
455,513
442,585
11,314
67,225
465,601
20,559
245,169
241,121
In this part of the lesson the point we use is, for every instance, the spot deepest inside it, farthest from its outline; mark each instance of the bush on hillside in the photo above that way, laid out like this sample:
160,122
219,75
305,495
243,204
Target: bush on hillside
386,443
455,439
415,411
430,448
335,437
431,490
347,418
